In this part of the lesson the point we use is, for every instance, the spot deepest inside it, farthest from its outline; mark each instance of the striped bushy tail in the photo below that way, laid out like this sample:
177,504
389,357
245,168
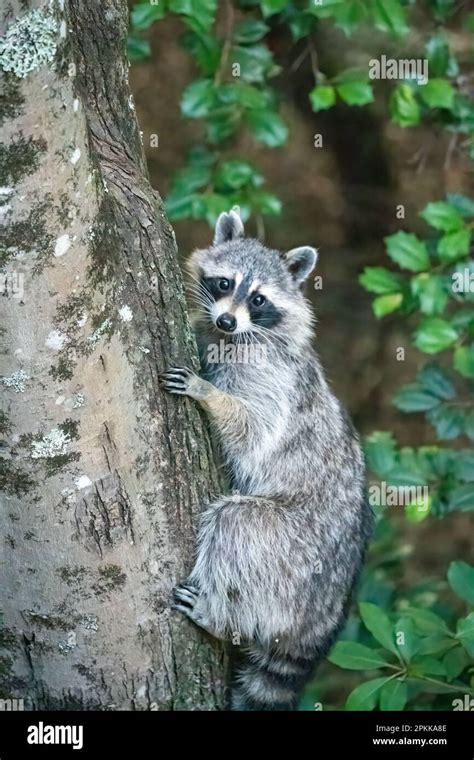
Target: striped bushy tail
268,680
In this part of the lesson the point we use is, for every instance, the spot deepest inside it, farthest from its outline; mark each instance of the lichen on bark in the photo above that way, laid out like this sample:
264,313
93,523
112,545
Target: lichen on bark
29,42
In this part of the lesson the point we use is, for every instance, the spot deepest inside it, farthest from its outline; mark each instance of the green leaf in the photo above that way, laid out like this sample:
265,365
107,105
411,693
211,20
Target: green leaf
198,99
469,425
461,580
408,251
200,155
419,509
425,665
190,179
430,289
200,14
427,687
270,7
143,15
380,453
438,460
322,97
235,174
266,203
468,22
243,94
442,216
365,696
464,360
354,74
180,206
393,695
412,398
347,15
326,8
404,108
438,93
435,643
436,381
437,50
464,465
379,625
386,304
464,320
434,334
426,621
267,127
442,9
462,498
455,661
137,48
205,49
209,206
250,31
404,477
455,245
354,656
414,461
390,16
379,280
465,633
462,203
448,422
255,61
407,640
355,93
301,25
222,123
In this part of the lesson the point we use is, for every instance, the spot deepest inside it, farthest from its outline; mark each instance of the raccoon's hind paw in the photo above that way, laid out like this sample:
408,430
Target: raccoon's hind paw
185,597
189,602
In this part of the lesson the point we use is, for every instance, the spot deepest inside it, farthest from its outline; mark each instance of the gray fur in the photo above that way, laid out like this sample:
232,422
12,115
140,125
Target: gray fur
229,226
301,262
277,560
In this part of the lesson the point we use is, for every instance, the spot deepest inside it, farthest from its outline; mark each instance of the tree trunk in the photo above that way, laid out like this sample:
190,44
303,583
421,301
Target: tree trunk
103,474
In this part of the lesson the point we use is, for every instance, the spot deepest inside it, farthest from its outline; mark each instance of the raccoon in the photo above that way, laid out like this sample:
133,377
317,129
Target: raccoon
277,559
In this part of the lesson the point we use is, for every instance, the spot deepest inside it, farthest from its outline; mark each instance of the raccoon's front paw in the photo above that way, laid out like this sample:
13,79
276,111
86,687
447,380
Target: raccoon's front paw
177,380
184,382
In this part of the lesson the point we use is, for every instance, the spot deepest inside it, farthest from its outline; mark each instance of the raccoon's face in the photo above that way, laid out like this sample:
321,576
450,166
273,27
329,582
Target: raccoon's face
242,288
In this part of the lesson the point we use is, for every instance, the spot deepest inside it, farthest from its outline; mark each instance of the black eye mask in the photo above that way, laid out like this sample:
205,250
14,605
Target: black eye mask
211,286
266,315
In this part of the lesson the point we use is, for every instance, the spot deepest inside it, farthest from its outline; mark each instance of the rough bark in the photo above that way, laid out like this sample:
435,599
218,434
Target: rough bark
103,475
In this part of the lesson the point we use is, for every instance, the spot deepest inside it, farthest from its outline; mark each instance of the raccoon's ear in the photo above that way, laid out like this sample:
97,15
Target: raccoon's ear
301,262
229,226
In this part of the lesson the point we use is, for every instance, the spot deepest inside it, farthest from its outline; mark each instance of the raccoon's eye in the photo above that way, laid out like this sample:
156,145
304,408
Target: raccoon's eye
258,300
224,284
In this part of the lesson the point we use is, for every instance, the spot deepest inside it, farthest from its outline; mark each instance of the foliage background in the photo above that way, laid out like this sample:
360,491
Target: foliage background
387,197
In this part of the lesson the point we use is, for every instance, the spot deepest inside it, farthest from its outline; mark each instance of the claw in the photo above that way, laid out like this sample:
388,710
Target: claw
180,608
175,380
189,587
179,370
184,596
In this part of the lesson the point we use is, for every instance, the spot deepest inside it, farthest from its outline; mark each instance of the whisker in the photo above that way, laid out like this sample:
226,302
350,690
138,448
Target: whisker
199,292
277,341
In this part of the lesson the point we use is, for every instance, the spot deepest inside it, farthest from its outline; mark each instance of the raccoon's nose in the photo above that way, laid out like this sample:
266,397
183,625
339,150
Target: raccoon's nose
226,322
